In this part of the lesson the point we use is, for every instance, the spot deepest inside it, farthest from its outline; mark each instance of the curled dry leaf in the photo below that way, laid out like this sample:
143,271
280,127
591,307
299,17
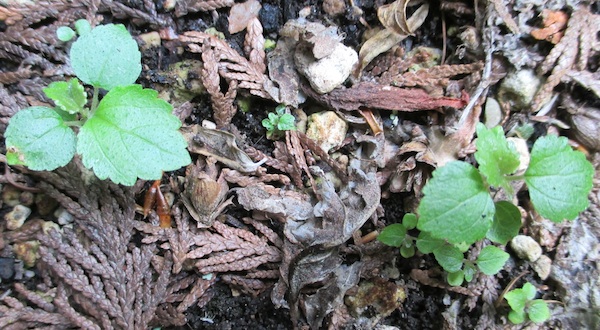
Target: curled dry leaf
220,145
397,28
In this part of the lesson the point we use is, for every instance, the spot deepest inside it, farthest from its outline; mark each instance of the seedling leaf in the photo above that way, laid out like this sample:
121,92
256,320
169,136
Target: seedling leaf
456,278
409,220
392,235
516,299
68,96
132,134
529,291
538,311
496,156
106,57
506,224
559,179
286,122
427,244
456,206
38,138
407,251
82,26
449,257
65,33
469,271
516,317
491,259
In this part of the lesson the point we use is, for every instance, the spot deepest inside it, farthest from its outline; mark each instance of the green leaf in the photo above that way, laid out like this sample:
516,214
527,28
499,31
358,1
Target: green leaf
516,317
407,251
106,57
38,138
267,124
392,235
65,33
286,122
529,291
68,96
559,179
491,260
506,224
538,311
456,206
427,244
449,257
82,26
516,299
496,156
132,134
409,220
469,271
456,278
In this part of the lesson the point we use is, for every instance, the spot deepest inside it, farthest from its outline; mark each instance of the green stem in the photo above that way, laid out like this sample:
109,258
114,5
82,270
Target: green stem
73,123
515,177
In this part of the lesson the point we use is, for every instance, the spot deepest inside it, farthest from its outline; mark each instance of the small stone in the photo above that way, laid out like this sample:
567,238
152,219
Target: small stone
26,198
334,7
63,217
10,195
327,129
526,248
542,266
150,40
330,71
492,113
47,226
519,88
7,268
28,252
16,217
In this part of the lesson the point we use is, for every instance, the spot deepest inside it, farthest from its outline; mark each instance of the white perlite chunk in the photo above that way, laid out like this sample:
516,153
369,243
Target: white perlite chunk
327,128
330,71
526,248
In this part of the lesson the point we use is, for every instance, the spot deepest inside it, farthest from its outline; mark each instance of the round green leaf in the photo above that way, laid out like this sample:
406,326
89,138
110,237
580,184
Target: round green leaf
407,251
506,224
469,271
538,311
456,278
449,257
65,33
529,291
38,138
132,134
559,179
491,259
106,57
516,317
457,206
409,220
392,235
82,26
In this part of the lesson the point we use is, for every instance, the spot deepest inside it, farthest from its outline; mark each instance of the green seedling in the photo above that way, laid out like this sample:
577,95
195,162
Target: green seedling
524,306
130,133
278,122
457,209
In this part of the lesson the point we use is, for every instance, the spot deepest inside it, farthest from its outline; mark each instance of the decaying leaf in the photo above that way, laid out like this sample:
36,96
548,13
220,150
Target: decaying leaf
397,28
376,96
220,145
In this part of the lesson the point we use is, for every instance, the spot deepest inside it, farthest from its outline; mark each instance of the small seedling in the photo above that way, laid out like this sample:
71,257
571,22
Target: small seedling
277,122
130,133
457,209
523,305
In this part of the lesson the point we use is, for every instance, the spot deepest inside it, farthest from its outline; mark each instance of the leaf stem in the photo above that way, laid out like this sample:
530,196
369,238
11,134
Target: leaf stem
72,123
515,177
